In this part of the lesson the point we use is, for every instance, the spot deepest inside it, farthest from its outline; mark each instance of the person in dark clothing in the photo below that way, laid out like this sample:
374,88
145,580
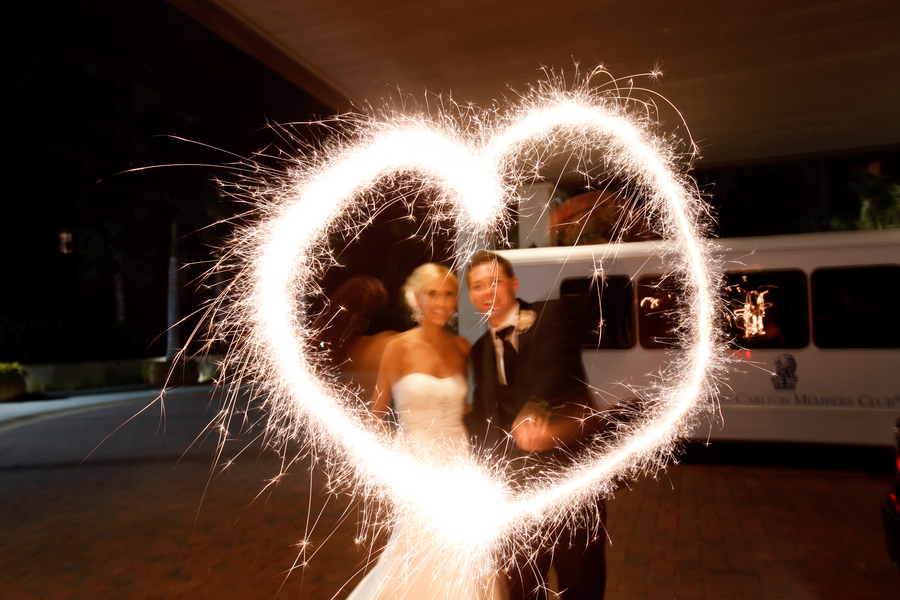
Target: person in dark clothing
529,386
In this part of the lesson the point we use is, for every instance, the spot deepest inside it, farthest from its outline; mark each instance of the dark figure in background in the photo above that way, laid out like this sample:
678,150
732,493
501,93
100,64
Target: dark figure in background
529,384
341,330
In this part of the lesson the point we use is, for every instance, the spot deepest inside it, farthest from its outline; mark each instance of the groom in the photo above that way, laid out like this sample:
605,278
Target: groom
530,388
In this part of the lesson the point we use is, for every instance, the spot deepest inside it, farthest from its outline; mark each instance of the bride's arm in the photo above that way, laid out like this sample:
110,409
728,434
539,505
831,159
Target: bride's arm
465,349
388,368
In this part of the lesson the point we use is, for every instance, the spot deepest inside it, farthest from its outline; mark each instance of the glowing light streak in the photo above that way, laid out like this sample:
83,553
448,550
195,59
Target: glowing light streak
468,506
651,300
751,316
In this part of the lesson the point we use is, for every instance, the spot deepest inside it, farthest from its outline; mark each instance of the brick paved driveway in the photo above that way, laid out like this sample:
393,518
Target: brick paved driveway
139,520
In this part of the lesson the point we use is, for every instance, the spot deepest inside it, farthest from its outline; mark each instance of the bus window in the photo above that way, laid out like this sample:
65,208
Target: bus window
853,307
657,316
603,309
766,309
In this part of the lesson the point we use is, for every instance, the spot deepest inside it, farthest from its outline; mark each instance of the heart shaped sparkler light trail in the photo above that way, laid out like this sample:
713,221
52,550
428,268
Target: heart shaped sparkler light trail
475,169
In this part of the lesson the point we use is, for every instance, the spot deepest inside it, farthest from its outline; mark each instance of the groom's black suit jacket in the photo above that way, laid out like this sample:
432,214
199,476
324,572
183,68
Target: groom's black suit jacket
548,369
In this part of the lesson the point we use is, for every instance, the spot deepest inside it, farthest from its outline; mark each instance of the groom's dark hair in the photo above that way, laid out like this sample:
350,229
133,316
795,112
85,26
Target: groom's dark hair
484,257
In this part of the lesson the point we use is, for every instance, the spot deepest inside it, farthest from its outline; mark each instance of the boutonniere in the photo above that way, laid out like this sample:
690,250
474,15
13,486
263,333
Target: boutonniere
526,320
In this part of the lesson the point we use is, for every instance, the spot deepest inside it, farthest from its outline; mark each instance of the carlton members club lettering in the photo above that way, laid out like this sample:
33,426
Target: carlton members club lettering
810,401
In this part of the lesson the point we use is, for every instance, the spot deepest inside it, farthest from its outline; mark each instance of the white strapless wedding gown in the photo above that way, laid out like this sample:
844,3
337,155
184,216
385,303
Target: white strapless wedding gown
430,411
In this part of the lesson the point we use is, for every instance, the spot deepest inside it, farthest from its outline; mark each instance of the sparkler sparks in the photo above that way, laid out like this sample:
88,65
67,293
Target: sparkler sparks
752,315
474,164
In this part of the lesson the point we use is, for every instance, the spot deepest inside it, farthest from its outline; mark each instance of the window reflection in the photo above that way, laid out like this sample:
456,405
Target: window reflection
657,316
603,307
851,307
767,309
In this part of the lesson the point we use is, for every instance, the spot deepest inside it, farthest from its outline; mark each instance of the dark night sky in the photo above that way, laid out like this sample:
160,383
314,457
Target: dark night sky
93,88
97,87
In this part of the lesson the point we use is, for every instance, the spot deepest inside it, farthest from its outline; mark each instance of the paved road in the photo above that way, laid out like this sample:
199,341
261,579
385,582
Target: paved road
141,518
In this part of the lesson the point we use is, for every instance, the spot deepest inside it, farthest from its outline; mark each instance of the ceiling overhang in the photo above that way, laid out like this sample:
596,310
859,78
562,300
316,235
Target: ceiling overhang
753,81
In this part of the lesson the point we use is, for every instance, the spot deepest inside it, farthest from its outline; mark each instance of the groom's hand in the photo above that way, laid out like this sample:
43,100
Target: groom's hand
537,427
530,434
531,427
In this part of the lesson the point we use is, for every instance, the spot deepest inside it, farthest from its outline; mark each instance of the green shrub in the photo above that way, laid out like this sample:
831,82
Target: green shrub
11,370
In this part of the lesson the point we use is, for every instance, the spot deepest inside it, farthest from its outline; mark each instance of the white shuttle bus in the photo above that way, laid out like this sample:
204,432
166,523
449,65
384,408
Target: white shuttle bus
811,317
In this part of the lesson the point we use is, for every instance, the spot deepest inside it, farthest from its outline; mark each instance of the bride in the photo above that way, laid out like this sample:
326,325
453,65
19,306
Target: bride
423,371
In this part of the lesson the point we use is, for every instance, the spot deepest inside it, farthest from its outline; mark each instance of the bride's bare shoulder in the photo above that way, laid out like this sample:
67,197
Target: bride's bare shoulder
400,342
396,354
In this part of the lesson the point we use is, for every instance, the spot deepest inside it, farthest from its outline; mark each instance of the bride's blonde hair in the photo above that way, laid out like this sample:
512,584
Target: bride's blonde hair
421,277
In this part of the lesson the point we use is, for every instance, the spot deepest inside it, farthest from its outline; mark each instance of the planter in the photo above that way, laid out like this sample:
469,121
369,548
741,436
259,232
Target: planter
160,372
63,377
12,387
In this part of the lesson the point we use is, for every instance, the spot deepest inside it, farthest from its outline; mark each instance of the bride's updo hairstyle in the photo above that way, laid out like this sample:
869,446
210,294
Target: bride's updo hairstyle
419,279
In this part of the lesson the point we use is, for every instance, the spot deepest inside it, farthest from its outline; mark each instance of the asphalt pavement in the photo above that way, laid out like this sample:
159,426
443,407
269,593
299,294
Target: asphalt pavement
122,497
